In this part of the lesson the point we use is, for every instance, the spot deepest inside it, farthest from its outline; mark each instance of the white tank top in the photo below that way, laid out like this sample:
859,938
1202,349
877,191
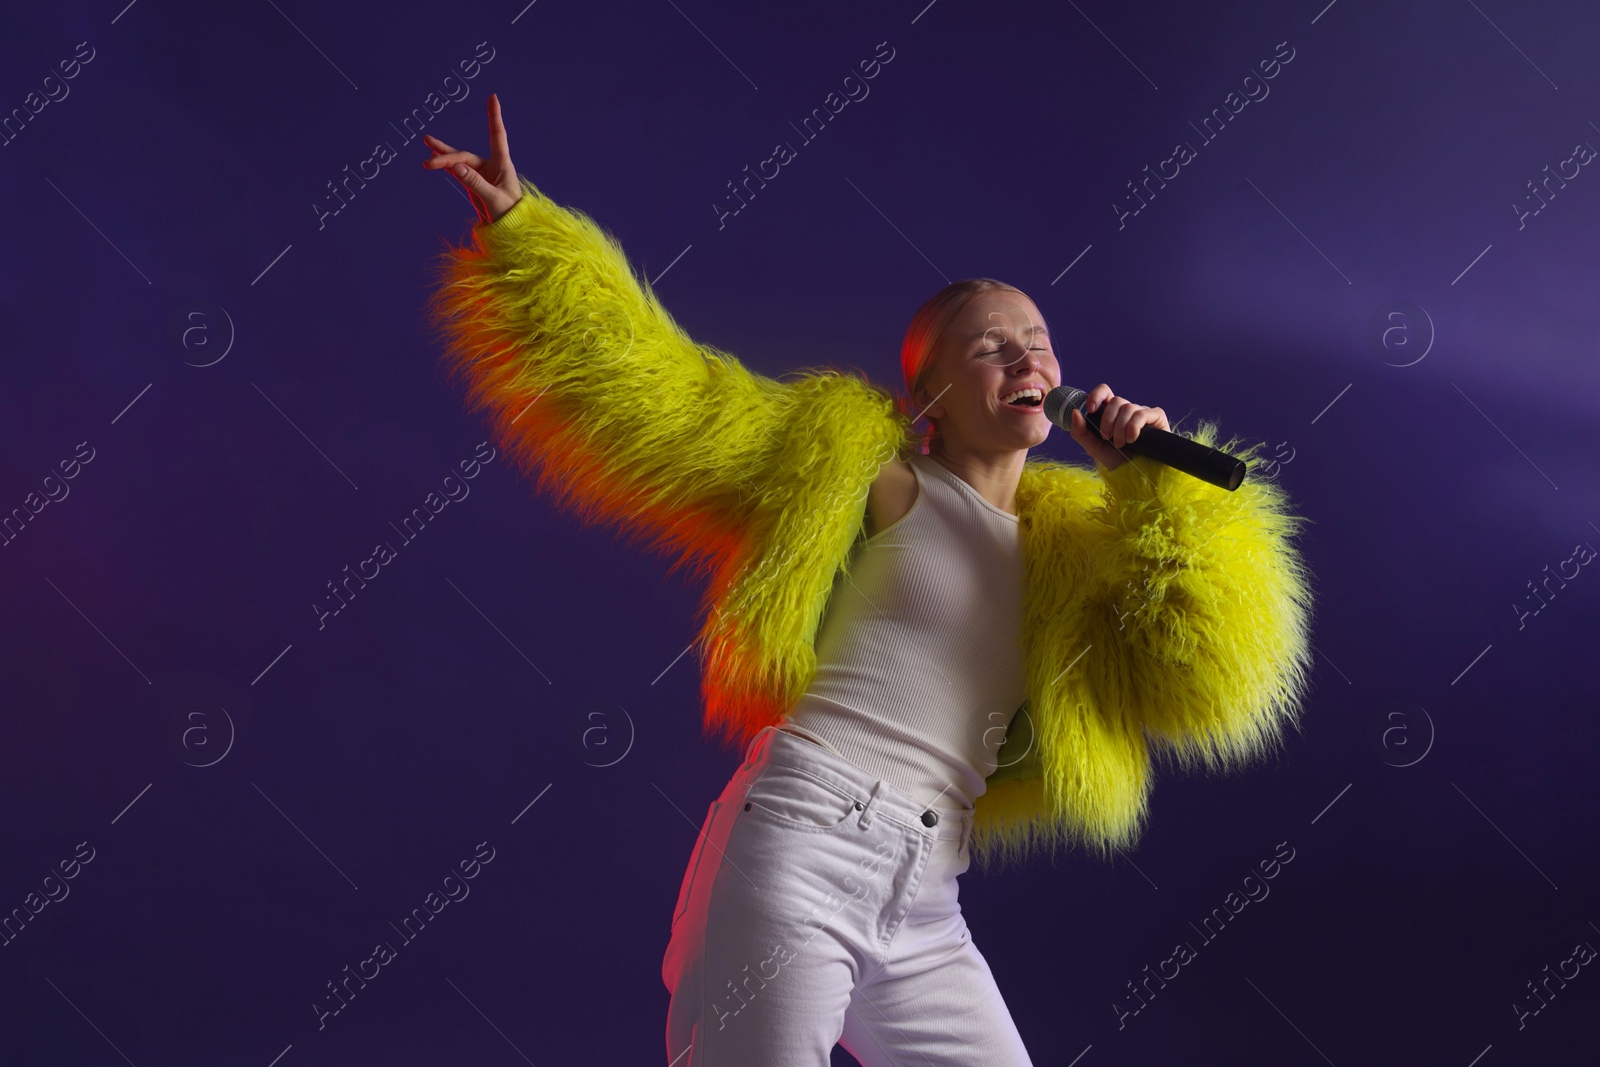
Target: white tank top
919,665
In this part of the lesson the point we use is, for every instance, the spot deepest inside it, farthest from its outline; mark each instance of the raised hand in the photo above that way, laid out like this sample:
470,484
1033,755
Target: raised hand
1119,424
491,183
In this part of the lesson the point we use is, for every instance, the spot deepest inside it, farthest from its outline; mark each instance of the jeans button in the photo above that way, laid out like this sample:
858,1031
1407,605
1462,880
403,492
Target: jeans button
930,818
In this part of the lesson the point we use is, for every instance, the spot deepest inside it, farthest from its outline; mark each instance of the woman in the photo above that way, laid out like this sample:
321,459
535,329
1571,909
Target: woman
875,617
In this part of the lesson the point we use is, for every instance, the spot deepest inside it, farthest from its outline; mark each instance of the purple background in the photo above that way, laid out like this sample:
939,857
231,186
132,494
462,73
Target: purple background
163,608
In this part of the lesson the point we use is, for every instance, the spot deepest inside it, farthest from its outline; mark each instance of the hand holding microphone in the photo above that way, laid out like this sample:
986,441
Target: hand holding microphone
1135,431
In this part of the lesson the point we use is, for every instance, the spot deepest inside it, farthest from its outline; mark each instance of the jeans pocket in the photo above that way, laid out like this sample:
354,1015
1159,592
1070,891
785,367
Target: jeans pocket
790,797
696,860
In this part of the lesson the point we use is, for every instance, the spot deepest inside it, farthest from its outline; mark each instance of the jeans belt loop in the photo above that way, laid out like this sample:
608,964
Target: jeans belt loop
871,805
753,750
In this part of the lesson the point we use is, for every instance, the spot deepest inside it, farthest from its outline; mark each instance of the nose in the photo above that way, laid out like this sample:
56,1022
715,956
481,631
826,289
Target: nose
1028,362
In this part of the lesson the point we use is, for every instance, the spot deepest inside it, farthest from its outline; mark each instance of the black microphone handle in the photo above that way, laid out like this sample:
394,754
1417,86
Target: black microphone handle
1176,451
1180,453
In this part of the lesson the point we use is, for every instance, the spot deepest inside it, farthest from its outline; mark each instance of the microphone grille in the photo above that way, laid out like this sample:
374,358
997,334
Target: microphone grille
1061,400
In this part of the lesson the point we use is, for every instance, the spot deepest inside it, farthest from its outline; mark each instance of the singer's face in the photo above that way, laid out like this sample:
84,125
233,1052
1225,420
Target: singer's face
996,344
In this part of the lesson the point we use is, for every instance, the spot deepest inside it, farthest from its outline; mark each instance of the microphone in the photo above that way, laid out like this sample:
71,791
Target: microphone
1163,446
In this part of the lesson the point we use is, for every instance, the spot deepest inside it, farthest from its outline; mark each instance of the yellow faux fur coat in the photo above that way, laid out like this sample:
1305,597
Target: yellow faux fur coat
1161,614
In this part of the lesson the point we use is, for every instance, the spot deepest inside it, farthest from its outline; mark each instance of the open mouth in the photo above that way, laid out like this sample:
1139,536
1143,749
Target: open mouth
1025,398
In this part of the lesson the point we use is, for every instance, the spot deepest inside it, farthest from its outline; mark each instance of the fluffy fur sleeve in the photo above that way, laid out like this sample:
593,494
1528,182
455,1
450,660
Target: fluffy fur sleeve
617,414
1210,607
1164,615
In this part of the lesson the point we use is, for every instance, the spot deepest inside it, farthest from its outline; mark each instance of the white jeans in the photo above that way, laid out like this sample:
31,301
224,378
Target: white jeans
819,907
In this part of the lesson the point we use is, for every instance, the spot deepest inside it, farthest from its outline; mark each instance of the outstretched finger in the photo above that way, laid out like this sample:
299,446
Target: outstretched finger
434,143
449,159
499,148
446,154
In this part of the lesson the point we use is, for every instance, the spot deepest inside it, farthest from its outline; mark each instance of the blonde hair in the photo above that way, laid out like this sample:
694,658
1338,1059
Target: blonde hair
922,338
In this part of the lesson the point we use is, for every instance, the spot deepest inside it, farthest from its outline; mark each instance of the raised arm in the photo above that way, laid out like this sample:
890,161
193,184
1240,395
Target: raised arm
596,391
